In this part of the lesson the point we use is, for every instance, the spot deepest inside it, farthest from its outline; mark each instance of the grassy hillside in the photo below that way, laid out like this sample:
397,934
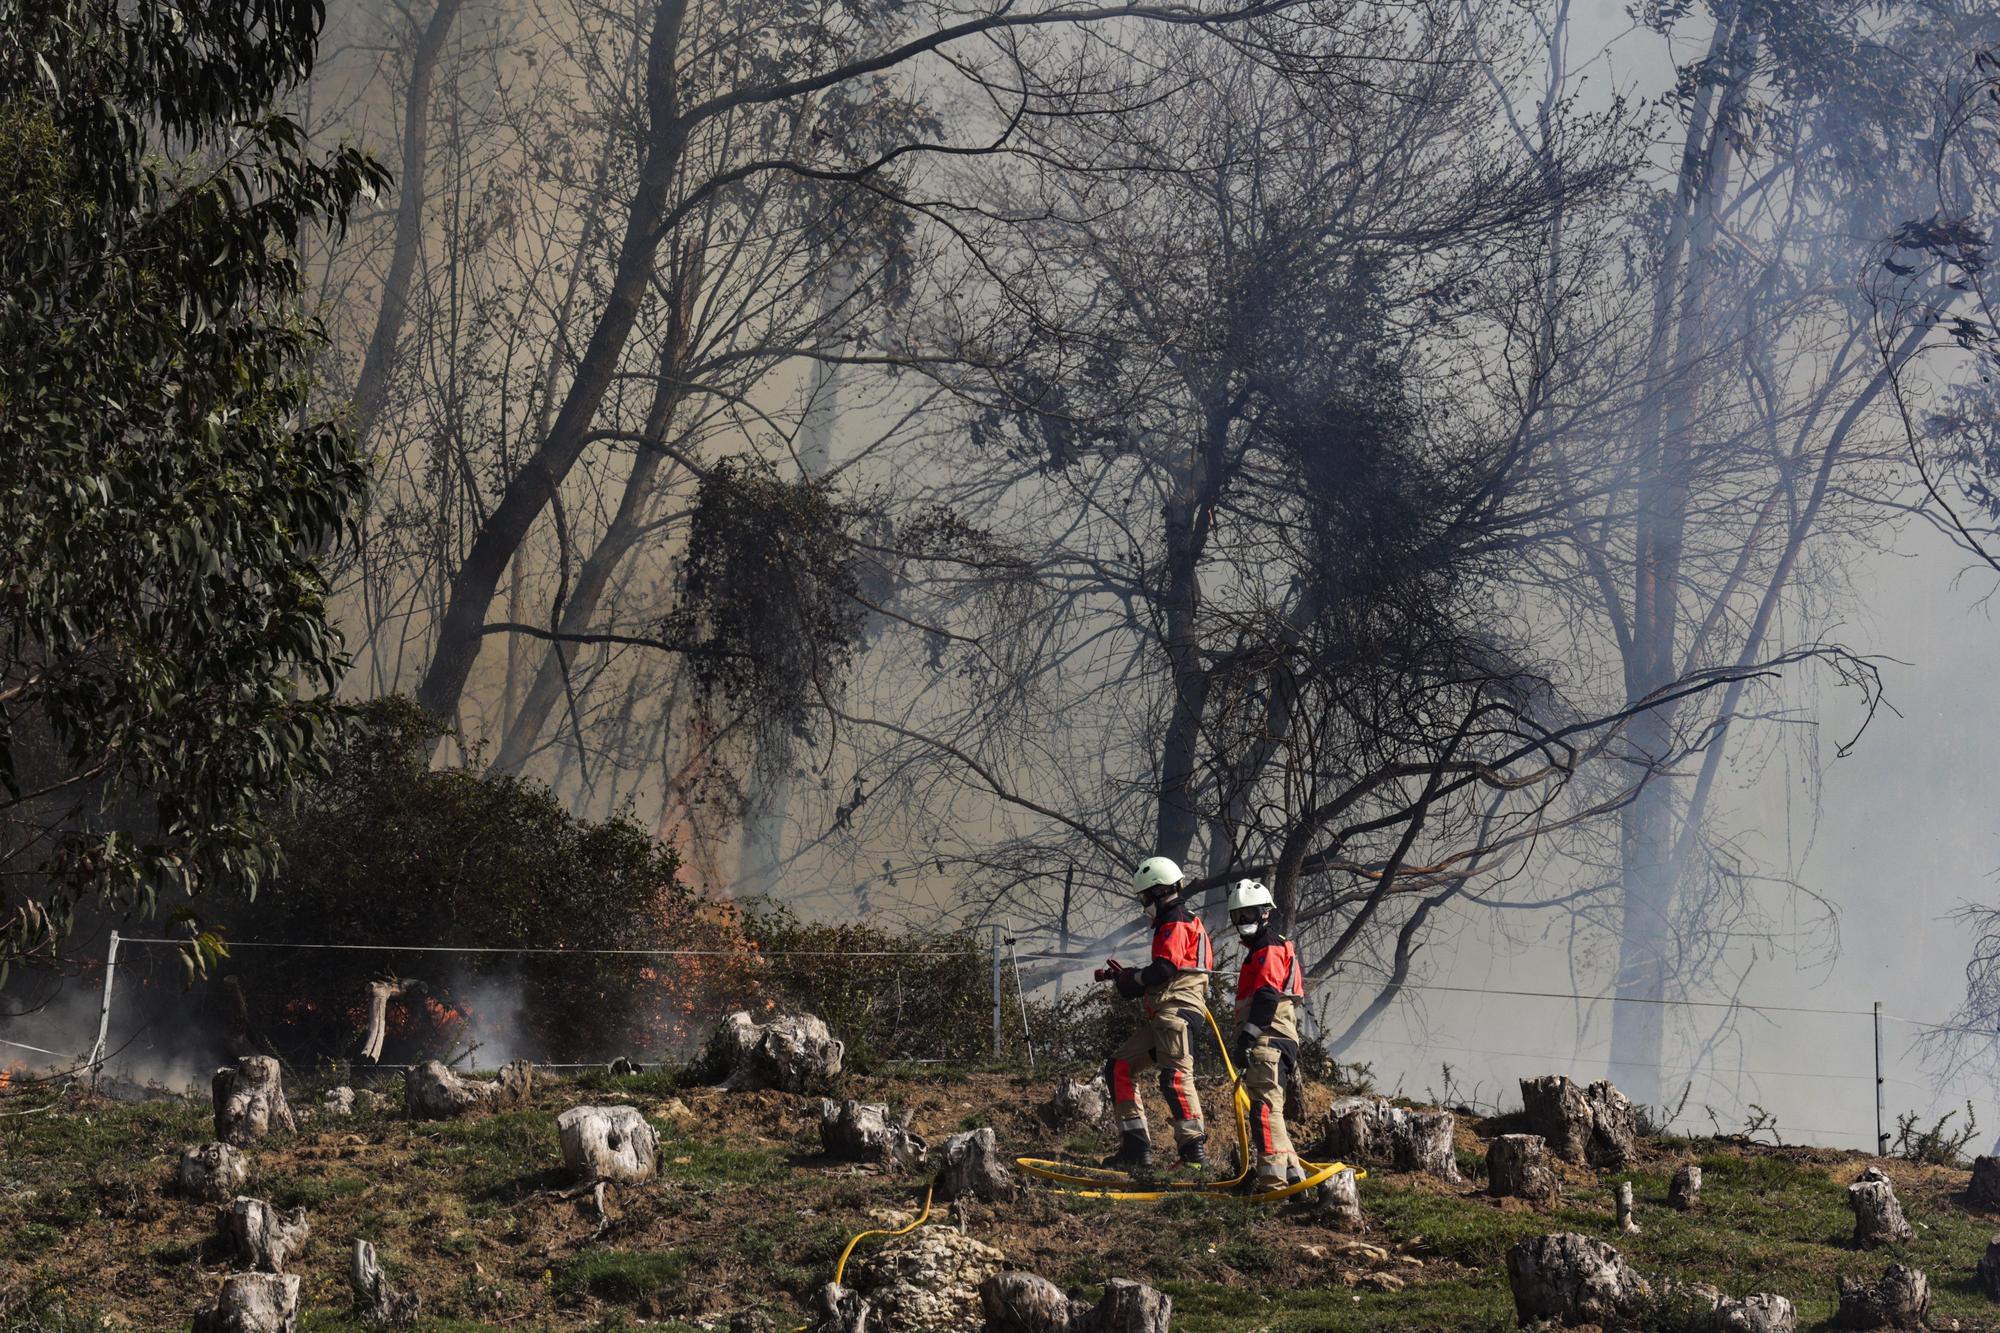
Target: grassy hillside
749,1215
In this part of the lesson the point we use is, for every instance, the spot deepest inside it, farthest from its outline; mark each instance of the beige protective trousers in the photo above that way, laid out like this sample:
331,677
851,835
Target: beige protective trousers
1162,1041
1263,1079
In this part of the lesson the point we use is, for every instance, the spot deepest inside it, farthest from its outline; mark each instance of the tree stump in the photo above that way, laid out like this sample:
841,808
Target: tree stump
974,1168
1595,1125
212,1172
378,1304
1900,1298
1024,1303
253,1303
1132,1307
1077,1102
1626,1222
1762,1313
515,1086
1515,1169
433,1092
870,1132
1684,1194
1339,1200
338,1101
260,1237
838,1309
1988,1271
792,1053
1878,1217
611,1143
1984,1191
1373,1129
1574,1279
250,1101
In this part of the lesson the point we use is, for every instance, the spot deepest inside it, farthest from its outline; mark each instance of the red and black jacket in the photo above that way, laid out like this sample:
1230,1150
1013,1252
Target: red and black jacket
1180,944
1270,976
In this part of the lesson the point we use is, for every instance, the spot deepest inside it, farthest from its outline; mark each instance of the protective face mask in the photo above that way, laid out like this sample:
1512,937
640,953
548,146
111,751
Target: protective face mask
1249,932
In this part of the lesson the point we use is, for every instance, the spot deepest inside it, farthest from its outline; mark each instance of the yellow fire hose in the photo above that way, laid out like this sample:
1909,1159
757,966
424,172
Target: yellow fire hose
1065,1173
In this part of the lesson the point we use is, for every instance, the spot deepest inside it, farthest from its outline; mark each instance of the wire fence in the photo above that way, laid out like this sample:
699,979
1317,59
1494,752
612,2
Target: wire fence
1850,1074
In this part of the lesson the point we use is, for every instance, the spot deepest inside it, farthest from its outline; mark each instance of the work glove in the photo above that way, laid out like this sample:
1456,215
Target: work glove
1246,1037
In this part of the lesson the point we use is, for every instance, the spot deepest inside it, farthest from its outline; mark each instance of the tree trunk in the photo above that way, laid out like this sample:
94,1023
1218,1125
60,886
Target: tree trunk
462,626
371,388
1987,1274
1339,1201
1646,935
1597,1125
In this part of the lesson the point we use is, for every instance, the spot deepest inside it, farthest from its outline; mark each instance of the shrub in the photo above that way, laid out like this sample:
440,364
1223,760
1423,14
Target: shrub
385,850
873,991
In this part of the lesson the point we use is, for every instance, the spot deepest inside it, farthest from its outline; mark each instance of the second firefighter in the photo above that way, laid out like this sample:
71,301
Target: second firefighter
1269,991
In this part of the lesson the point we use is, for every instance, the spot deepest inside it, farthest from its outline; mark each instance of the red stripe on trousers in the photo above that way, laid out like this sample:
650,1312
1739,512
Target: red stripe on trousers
1181,1111
1121,1083
1264,1125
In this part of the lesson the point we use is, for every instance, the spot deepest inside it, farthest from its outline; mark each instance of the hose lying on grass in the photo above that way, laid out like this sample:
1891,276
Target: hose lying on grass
1065,1173
1068,1174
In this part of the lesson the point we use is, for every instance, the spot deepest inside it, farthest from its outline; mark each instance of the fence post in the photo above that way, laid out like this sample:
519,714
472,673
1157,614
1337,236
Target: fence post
996,992
1881,1135
104,1011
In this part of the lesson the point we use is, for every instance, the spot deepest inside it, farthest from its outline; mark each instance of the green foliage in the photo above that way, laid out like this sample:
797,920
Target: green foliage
384,850
166,490
886,1007
767,610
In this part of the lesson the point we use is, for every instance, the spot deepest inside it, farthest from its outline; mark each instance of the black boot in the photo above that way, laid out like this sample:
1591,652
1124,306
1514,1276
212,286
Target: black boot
1135,1152
1194,1157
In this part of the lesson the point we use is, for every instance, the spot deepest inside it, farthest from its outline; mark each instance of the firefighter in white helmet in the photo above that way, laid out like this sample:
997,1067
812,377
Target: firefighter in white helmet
1269,991
1172,991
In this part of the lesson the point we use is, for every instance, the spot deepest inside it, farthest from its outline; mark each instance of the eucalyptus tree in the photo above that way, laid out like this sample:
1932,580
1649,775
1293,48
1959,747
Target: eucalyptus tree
1754,444
732,99
166,490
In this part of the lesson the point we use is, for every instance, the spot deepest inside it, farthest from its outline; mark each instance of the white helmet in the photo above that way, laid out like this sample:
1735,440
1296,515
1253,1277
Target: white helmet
1249,893
1153,872
1252,895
